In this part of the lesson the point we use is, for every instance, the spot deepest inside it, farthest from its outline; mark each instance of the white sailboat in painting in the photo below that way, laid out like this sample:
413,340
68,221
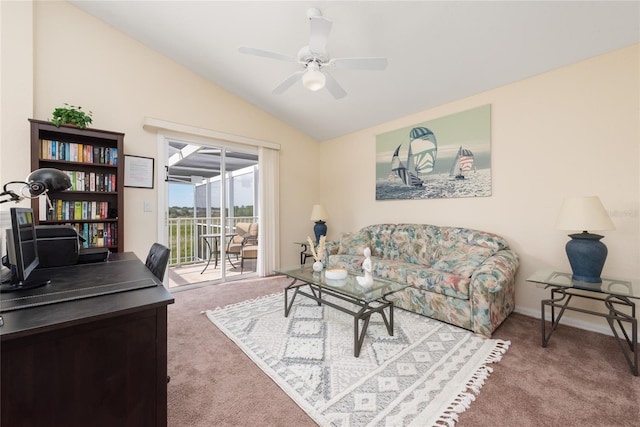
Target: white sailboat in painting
421,157
462,164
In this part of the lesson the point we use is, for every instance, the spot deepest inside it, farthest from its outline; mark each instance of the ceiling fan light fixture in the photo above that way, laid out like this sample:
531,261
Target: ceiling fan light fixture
313,79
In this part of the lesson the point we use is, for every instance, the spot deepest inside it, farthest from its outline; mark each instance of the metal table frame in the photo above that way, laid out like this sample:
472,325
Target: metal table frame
215,250
304,252
614,317
364,314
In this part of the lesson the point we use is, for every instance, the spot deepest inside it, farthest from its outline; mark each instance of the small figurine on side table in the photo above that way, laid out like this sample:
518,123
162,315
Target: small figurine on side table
367,279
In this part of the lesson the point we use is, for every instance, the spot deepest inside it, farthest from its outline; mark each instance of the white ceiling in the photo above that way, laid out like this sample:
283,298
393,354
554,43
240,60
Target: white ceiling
437,51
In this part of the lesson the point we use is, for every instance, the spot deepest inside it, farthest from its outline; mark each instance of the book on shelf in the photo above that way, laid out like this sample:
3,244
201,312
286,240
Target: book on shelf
92,181
65,210
98,234
77,152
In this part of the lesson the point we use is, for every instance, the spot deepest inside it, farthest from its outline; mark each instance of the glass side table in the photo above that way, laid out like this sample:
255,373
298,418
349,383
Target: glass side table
614,293
304,252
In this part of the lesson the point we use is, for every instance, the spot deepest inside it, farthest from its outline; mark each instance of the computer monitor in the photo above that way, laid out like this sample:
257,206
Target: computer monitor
22,251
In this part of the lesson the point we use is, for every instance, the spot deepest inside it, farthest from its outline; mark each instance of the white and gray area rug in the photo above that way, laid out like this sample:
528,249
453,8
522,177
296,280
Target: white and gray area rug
423,375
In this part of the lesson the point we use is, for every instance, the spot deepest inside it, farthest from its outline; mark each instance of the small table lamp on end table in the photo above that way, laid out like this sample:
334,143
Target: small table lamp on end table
585,251
319,215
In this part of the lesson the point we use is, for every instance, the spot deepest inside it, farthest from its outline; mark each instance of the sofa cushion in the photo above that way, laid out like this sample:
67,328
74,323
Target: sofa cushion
468,236
354,243
461,260
380,268
390,269
402,242
423,252
428,279
398,246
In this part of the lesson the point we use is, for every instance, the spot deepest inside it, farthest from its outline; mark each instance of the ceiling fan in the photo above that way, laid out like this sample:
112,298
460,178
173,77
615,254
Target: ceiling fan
315,60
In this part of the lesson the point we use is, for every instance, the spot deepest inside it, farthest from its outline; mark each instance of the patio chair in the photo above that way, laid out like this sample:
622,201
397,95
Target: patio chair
245,233
249,251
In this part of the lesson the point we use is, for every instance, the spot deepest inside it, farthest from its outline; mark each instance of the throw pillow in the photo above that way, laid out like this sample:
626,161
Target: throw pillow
354,243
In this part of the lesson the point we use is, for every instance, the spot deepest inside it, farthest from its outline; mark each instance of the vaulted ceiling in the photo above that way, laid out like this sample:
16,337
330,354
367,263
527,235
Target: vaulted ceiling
437,52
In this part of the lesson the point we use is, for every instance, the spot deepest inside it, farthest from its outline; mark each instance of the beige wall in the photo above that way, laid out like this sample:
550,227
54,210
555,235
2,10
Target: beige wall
82,61
573,131
16,91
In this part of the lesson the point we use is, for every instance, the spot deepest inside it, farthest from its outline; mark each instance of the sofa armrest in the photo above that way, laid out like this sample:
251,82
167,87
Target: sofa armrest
496,271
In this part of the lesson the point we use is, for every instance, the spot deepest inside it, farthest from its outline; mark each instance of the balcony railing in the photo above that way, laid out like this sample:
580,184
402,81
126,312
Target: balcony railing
187,247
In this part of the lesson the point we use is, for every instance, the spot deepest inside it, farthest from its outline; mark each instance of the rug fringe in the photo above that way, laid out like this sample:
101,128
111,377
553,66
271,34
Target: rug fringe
467,395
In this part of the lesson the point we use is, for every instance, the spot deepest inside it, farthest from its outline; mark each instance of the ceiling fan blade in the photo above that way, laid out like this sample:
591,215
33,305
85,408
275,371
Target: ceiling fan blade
289,81
266,53
333,87
359,63
320,29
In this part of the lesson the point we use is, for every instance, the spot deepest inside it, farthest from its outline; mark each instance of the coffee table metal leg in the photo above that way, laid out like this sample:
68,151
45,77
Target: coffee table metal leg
316,296
388,323
287,304
365,315
358,335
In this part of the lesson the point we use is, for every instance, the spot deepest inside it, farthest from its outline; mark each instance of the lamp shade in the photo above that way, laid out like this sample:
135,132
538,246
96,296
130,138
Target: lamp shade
313,79
583,213
318,213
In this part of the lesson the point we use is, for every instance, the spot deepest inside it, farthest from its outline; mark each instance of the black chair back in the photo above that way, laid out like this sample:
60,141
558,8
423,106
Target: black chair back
157,260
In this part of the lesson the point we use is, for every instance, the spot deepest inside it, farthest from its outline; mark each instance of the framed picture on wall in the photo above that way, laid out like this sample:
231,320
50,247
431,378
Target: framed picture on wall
441,158
138,171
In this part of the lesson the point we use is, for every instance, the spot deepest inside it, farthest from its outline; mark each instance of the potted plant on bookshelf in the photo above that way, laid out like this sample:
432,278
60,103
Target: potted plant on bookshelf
71,115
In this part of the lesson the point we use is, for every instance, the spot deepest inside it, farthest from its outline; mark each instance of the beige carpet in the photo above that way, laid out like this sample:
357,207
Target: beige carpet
581,379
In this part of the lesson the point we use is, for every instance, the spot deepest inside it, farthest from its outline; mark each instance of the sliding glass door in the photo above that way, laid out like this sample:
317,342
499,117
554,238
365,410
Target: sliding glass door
212,212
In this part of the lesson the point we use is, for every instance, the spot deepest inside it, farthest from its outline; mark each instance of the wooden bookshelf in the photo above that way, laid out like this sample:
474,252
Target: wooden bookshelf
94,161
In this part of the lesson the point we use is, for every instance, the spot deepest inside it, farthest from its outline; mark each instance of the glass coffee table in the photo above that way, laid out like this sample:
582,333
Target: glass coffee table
615,294
367,300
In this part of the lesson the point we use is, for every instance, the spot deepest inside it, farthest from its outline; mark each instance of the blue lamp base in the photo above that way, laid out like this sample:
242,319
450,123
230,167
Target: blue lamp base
587,255
320,229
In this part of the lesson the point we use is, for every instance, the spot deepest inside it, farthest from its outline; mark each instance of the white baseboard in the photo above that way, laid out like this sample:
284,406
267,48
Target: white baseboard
567,320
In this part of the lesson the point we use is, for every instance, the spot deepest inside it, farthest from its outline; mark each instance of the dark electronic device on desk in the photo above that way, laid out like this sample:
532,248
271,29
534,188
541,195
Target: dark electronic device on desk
60,245
22,252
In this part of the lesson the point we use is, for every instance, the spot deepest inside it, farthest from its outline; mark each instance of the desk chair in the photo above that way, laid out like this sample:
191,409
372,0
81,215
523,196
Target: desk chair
158,259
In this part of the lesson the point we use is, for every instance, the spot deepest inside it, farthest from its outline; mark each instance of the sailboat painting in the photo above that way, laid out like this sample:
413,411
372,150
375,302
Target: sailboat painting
462,164
442,158
421,157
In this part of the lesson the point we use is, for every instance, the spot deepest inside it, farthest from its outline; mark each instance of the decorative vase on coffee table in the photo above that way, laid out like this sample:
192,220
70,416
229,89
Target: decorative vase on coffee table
317,266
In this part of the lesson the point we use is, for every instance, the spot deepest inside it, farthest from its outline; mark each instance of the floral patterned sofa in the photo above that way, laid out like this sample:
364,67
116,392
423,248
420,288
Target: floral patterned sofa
457,275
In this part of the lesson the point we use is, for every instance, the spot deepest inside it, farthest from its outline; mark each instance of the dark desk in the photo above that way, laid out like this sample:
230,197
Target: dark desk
92,361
